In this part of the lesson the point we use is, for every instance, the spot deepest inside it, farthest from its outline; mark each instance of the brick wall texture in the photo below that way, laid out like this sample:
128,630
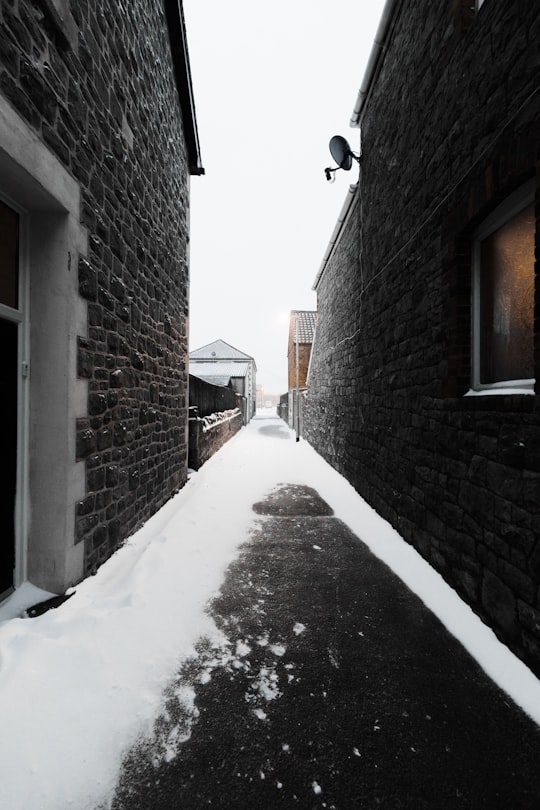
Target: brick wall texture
108,108
452,128
304,353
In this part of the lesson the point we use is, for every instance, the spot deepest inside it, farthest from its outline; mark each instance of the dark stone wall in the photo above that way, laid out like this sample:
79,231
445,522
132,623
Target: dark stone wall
451,129
208,435
105,102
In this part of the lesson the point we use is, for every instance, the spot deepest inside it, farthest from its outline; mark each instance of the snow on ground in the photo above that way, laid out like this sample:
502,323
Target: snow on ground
79,684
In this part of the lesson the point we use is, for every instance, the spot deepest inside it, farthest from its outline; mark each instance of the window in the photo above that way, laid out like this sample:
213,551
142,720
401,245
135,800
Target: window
503,297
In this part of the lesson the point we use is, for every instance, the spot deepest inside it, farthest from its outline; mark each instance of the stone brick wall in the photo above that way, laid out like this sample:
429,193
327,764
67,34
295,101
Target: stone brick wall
101,94
452,128
208,434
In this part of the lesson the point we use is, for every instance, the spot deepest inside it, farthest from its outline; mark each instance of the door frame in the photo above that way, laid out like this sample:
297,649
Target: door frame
51,482
20,317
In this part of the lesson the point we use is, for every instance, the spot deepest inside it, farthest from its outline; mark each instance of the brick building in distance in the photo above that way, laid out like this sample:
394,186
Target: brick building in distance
301,330
98,139
426,363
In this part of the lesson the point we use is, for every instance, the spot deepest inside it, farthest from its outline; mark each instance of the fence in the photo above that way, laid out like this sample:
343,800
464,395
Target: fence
209,398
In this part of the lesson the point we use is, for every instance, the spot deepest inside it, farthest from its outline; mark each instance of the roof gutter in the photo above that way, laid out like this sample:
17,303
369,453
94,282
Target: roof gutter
374,61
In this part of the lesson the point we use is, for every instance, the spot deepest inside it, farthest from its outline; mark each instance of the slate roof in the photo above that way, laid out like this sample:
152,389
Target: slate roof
212,371
306,325
223,381
218,350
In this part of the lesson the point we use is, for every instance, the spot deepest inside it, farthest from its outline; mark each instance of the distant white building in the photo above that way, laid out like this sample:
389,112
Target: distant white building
221,364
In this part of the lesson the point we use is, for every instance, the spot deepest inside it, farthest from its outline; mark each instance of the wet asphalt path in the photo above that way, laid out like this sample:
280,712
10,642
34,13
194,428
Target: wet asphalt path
335,687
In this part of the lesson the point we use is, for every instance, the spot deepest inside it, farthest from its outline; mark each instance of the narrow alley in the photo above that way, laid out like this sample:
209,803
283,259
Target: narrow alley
266,640
271,405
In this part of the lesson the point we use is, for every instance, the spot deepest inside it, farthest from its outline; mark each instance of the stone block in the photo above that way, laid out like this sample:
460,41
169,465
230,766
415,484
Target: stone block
500,604
529,618
86,443
521,583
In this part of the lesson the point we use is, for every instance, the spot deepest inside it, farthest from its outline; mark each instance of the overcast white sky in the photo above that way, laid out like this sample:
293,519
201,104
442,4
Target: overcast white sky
273,82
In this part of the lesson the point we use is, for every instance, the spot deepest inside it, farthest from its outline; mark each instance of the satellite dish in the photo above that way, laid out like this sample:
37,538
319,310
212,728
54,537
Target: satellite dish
341,152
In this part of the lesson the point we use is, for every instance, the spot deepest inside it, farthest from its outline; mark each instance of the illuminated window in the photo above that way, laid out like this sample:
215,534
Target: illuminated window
503,289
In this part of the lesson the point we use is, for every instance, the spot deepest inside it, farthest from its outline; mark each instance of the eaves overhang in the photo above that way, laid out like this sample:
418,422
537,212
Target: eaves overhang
334,239
182,73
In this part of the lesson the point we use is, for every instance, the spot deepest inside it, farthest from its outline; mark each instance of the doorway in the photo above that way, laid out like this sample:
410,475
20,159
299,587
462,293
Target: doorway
8,420
9,332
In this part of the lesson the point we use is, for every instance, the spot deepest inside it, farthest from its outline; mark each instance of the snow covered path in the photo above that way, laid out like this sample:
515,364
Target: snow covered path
80,684
332,687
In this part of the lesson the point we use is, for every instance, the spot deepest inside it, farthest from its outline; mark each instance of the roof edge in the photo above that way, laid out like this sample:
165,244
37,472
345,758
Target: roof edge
220,340
174,13
340,224
374,62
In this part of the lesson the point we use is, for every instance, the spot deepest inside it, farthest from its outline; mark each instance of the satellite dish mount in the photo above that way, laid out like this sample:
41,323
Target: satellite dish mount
342,154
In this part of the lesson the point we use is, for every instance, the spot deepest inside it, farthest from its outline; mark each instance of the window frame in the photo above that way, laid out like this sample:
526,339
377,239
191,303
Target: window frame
37,185
516,202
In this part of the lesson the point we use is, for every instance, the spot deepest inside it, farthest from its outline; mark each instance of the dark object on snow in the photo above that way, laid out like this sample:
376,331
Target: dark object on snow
289,500
48,604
